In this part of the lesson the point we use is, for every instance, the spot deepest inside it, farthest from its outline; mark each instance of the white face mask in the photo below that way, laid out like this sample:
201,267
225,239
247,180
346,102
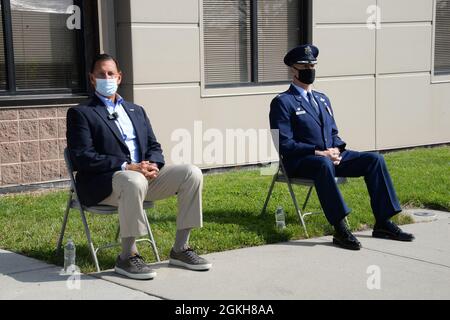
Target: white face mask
106,87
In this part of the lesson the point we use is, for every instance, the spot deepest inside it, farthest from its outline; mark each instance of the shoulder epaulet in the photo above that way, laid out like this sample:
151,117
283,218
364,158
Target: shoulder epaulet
282,94
320,93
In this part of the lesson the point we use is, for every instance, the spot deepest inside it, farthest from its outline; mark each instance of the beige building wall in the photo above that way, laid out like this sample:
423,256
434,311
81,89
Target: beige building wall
379,80
163,55
379,75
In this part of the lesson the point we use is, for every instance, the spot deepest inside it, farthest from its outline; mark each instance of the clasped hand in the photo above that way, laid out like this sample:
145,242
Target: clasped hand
148,169
334,154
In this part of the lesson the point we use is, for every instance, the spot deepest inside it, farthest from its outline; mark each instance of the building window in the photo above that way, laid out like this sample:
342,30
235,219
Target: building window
245,40
39,53
2,56
442,38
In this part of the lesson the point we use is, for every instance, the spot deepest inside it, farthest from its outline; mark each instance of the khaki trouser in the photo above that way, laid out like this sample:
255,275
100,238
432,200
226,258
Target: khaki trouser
131,188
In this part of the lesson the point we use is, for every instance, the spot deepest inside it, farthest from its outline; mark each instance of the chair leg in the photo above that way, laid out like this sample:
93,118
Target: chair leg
64,224
88,235
152,240
299,213
268,195
307,198
117,234
306,202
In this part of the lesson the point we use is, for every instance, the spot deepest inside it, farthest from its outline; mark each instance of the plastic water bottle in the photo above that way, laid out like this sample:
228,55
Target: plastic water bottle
69,255
280,218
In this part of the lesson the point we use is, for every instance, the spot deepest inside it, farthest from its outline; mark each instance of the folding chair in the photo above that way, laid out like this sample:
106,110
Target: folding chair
281,176
74,203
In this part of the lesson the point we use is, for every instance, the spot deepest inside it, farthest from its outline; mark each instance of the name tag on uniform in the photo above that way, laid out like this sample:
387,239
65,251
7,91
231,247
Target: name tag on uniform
300,112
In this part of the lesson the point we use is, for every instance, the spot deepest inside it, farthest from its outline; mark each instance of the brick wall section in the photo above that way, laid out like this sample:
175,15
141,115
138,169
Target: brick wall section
32,142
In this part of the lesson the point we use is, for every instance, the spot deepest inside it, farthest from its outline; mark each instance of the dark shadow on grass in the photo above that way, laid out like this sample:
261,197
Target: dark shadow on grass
83,257
250,221
46,255
82,254
435,206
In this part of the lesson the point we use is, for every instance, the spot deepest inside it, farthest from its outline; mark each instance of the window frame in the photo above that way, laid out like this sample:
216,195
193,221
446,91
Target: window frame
436,78
87,43
253,87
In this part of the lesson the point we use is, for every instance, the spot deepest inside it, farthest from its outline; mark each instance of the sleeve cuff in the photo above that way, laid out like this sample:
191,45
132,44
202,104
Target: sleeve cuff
342,147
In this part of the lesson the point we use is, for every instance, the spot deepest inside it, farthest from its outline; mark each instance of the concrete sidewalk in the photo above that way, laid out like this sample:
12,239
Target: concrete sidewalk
304,269
26,278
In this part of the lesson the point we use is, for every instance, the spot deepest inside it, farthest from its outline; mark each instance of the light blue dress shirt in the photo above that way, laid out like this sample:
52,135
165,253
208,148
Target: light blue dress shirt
302,91
125,126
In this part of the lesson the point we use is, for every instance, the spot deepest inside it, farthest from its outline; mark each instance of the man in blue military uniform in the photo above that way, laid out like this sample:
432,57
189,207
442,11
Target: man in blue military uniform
311,148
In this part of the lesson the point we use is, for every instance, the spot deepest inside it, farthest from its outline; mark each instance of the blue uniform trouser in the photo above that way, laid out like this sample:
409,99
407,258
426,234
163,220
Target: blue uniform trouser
369,165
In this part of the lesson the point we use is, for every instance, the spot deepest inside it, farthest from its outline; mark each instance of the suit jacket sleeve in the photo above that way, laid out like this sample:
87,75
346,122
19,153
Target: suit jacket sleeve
337,142
81,145
280,120
154,152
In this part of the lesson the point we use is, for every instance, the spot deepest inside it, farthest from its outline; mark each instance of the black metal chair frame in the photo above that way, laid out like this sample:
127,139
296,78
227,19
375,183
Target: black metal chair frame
281,176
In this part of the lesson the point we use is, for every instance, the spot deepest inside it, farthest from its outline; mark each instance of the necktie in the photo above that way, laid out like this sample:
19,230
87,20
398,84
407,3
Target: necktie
313,102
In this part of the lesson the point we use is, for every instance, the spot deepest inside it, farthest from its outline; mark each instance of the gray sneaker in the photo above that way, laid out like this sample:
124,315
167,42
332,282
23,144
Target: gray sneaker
135,268
189,259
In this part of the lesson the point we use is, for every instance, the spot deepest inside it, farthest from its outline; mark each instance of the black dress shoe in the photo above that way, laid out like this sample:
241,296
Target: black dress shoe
389,230
345,239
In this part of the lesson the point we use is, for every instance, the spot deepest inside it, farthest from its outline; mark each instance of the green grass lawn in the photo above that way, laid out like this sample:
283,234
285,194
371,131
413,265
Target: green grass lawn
232,201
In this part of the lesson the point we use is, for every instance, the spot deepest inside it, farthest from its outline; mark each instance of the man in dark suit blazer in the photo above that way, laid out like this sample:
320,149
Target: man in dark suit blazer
311,148
120,162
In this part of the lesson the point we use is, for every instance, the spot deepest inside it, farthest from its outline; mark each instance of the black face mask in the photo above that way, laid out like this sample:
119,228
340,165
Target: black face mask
306,76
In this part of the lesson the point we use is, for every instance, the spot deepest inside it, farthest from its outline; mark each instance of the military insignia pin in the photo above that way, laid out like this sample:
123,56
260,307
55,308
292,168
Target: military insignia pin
308,50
